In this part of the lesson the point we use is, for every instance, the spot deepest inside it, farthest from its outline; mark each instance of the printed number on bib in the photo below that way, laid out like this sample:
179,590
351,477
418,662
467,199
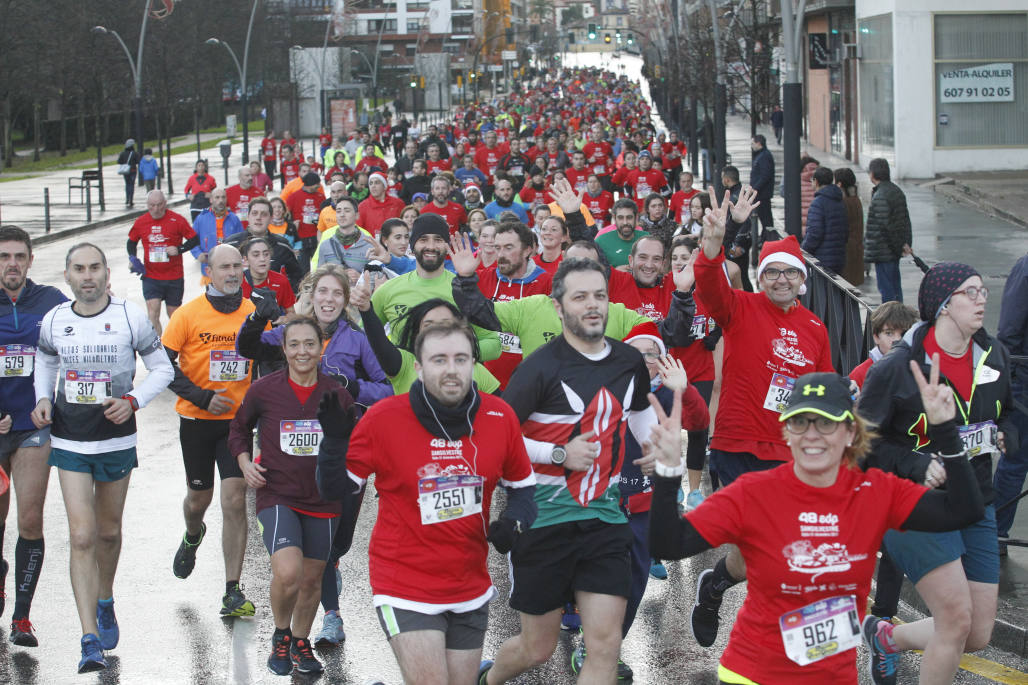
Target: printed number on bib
820,630
158,254
699,327
979,438
510,343
778,393
445,498
226,365
87,387
300,438
310,218
17,360
599,170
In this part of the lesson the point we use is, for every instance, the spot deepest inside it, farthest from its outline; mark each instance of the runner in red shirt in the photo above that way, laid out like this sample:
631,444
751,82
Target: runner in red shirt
438,453
597,200
435,162
599,155
324,142
305,206
165,236
239,195
287,141
809,531
456,216
258,274
269,147
645,180
679,206
487,159
378,206
577,174
290,167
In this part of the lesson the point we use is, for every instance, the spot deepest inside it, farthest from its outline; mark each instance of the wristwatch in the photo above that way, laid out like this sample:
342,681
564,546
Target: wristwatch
559,455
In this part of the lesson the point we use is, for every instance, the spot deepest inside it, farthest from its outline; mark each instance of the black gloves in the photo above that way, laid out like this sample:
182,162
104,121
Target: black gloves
335,421
503,532
266,302
352,385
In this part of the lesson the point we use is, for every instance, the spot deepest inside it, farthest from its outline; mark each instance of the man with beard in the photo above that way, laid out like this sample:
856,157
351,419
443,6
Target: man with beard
505,200
575,397
240,195
210,381
616,243
437,452
23,447
428,240
454,214
213,226
516,164
93,434
283,259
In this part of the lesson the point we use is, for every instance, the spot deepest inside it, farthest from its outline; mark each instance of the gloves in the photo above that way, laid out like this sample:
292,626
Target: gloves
503,533
335,421
266,302
136,266
352,385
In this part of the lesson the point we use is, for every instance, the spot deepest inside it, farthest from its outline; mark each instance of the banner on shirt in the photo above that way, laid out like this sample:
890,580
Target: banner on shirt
981,83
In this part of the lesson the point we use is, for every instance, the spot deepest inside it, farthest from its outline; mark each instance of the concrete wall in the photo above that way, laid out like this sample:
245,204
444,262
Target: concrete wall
914,90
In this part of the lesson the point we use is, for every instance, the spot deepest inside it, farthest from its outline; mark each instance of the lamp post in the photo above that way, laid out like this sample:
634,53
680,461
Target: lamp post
374,75
242,77
136,66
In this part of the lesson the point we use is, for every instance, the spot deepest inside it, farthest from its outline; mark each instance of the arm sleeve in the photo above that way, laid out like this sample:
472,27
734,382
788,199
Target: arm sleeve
961,503
389,358
713,289
539,452
130,246
333,481
488,343
672,536
641,423
577,228
189,244
149,347
695,415
377,385
477,307
240,431
185,388
676,328
47,362
876,406
249,342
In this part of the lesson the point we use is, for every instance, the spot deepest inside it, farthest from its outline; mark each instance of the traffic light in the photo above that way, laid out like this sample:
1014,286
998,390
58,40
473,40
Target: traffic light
422,82
460,81
656,71
617,35
606,38
592,31
413,82
630,39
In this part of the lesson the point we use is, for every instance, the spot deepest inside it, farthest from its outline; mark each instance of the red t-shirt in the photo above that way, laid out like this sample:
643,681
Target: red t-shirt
599,206
195,185
239,200
859,374
680,205
432,563
290,170
305,208
599,157
325,139
656,301
268,149
287,141
371,213
454,214
276,282
487,159
621,288
696,358
801,544
642,183
766,350
550,267
959,371
157,235
577,178
437,165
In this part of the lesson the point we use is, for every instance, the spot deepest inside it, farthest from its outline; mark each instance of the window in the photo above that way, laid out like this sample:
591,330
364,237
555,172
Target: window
413,25
981,80
877,108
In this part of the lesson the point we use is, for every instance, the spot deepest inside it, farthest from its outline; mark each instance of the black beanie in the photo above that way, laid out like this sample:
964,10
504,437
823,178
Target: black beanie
429,223
311,179
937,286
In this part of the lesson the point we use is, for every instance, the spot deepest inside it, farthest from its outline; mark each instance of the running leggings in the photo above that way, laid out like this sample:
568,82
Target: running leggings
340,546
696,452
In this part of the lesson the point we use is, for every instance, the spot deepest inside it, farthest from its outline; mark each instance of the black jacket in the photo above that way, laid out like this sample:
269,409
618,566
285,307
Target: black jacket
1013,316
413,185
762,174
888,224
890,400
828,228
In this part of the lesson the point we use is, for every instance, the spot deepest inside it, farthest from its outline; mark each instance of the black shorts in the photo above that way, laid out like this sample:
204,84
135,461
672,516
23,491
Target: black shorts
283,527
169,291
12,441
463,630
549,564
204,444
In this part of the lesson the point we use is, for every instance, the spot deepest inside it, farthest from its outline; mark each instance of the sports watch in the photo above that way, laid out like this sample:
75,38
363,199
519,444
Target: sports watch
559,455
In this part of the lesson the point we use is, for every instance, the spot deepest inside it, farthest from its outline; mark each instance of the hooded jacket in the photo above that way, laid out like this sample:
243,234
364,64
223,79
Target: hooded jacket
827,228
888,224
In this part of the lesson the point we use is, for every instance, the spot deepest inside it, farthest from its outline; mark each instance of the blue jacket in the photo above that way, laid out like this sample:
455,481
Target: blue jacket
206,227
1013,316
828,228
19,325
148,168
494,210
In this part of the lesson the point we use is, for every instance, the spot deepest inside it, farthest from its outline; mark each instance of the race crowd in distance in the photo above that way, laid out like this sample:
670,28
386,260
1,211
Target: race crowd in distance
533,296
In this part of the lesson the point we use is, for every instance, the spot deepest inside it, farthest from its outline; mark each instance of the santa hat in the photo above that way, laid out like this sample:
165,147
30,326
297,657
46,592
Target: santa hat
380,176
787,250
652,338
472,186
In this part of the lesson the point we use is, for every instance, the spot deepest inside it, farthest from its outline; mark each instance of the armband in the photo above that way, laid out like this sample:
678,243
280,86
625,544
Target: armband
132,401
665,471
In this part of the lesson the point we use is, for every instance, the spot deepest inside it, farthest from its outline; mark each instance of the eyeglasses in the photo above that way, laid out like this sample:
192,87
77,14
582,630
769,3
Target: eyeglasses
791,274
973,292
797,425
650,356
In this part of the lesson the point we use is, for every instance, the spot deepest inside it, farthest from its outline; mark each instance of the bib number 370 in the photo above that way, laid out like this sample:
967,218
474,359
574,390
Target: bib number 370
820,630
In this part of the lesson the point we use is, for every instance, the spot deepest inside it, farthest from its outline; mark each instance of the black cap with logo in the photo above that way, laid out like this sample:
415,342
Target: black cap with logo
824,394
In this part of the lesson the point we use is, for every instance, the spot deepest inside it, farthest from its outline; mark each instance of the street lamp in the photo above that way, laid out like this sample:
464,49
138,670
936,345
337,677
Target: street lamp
242,77
374,74
136,66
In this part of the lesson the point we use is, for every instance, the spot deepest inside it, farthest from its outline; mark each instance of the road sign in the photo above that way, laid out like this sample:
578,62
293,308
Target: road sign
508,55
495,67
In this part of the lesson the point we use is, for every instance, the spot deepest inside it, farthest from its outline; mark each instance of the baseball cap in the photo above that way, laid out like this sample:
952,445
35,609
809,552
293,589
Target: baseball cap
824,394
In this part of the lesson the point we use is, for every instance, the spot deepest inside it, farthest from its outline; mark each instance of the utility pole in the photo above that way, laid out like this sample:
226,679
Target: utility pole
694,147
792,108
720,104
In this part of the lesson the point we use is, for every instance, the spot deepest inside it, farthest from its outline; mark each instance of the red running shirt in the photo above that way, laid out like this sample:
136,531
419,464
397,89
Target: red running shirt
801,544
454,214
157,235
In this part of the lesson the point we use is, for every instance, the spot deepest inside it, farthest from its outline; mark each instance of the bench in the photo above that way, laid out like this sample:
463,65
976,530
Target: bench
89,176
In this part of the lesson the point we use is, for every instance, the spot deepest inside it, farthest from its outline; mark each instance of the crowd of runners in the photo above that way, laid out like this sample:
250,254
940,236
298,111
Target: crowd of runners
532,297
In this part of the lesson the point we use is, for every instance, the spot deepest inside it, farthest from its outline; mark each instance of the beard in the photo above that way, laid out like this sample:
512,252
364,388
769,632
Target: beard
577,327
430,262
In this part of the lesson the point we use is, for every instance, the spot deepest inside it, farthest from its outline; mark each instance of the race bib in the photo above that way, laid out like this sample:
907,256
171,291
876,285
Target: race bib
300,438
642,190
820,630
87,387
446,498
517,170
243,210
158,254
979,438
17,360
699,327
226,365
778,393
599,169
310,218
510,343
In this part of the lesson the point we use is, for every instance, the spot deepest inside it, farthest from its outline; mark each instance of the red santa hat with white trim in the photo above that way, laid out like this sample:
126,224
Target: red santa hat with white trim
786,251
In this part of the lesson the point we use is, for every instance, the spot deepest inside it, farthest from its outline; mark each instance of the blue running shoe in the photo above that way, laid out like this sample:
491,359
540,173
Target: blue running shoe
107,624
483,671
693,500
881,664
332,632
657,570
279,662
92,655
570,620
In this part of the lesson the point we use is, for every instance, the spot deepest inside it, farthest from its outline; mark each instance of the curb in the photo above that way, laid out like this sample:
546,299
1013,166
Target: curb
967,195
85,228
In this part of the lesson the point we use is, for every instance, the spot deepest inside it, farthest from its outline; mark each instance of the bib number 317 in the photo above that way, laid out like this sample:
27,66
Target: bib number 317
820,630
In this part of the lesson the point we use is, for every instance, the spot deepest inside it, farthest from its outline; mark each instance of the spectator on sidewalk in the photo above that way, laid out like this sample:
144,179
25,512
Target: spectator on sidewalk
762,179
778,122
853,271
149,169
827,222
128,162
888,234
1013,332
807,166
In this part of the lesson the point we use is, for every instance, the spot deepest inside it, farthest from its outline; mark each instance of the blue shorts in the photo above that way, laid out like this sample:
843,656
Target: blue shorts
106,466
976,546
12,441
169,291
731,465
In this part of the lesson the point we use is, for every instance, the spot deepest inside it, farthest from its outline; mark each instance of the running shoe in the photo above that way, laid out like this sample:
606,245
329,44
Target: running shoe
705,618
21,633
185,557
303,657
625,673
107,624
331,630
483,671
234,604
881,665
693,500
570,620
657,569
92,655
279,662
3,584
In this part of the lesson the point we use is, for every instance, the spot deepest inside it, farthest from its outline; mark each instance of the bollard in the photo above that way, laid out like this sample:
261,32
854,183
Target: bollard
89,206
46,209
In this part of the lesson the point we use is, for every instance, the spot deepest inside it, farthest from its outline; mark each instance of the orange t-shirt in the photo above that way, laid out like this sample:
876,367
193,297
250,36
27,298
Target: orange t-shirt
219,224
205,341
